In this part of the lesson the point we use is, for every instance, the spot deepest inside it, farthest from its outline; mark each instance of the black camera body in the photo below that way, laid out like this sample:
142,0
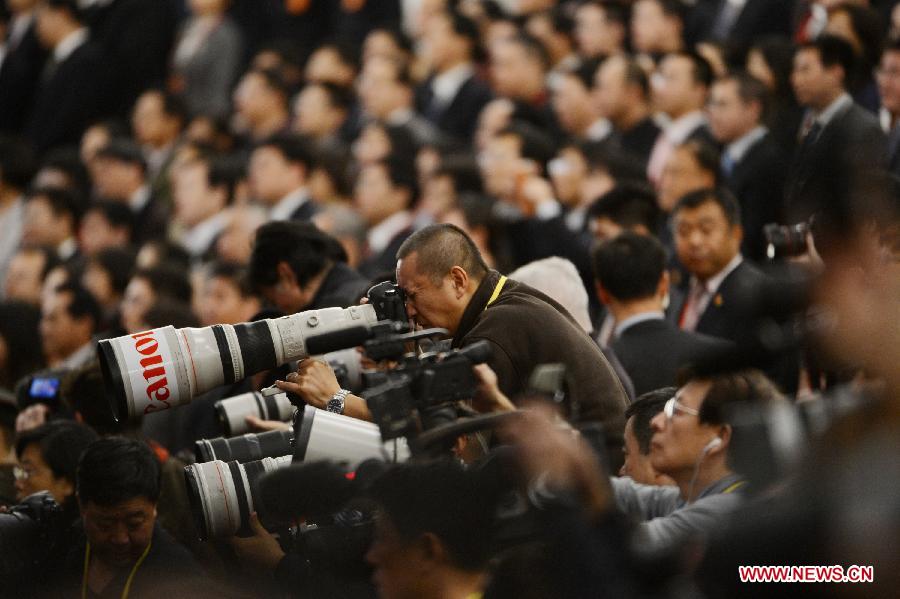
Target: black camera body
389,302
398,398
785,241
30,533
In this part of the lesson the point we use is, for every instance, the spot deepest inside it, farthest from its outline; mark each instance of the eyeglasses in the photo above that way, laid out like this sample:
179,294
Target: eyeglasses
21,473
672,405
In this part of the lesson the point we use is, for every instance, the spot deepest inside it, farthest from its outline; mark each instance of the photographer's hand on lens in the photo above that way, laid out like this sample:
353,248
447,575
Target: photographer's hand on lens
315,383
32,417
261,550
257,424
489,398
561,457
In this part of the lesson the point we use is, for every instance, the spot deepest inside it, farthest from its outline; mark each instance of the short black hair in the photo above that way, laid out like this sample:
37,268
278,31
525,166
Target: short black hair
118,263
222,172
402,173
701,71
628,205
61,443
83,303
125,150
644,409
19,322
306,249
440,248
833,51
117,214
116,469
533,48
80,390
274,80
707,156
750,89
629,266
167,280
173,105
465,27
637,76
673,8
734,388
236,273
535,144
16,163
339,97
294,148
725,200
450,503
584,72
62,202
402,40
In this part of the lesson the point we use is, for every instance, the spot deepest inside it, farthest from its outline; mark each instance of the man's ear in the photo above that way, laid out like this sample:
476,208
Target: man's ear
286,275
663,288
602,294
460,280
432,548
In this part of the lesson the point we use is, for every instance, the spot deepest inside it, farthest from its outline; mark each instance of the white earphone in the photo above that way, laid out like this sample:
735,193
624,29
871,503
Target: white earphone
716,442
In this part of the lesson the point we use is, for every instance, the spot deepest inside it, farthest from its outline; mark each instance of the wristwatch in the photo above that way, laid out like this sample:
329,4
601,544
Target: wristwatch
336,403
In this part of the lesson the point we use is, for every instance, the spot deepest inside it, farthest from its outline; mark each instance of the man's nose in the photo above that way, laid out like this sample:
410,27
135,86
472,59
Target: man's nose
658,422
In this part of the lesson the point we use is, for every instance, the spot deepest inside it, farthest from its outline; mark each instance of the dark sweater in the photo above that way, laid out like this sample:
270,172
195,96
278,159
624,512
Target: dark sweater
525,328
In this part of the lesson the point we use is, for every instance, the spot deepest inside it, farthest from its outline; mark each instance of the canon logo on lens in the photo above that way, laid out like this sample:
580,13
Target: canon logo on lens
154,372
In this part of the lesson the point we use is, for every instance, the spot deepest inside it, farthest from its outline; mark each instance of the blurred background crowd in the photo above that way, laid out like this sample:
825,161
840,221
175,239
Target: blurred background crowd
685,177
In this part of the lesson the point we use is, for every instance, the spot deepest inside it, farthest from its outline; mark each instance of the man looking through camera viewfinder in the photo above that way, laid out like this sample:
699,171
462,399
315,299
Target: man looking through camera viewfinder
448,285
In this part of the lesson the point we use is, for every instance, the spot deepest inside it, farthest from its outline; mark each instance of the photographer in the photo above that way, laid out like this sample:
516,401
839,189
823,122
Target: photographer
296,267
123,550
437,545
48,457
448,285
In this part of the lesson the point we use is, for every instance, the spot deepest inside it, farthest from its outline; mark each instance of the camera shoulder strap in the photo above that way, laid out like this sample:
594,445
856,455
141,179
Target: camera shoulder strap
87,563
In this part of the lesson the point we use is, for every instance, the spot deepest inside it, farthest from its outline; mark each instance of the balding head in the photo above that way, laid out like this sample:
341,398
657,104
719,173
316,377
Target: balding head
441,247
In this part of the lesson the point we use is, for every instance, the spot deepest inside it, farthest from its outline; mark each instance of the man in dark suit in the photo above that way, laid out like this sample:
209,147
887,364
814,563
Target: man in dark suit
738,23
632,281
684,80
278,173
384,192
888,78
708,237
453,96
622,94
20,67
71,91
295,267
121,175
752,164
841,156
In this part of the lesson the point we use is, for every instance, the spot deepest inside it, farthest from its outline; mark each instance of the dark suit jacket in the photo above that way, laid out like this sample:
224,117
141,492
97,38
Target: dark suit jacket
639,140
341,287
136,37
458,118
843,166
151,223
306,211
69,99
757,18
726,316
19,78
757,181
652,352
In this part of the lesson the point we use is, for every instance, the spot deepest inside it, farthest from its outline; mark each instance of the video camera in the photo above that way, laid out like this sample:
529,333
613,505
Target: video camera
29,533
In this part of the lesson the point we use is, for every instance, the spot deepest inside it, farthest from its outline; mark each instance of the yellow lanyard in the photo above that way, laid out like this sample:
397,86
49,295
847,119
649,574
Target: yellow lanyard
497,290
734,486
87,562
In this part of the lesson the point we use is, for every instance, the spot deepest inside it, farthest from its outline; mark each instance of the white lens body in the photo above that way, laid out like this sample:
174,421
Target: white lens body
217,490
167,367
235,410
324,435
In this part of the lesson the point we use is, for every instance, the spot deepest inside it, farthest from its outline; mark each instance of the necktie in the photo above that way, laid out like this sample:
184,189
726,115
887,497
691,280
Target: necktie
690,315
727,165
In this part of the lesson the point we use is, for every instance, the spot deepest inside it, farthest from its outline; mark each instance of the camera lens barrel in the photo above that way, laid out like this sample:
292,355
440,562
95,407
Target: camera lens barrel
245,448
224,494
162,368
233,411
